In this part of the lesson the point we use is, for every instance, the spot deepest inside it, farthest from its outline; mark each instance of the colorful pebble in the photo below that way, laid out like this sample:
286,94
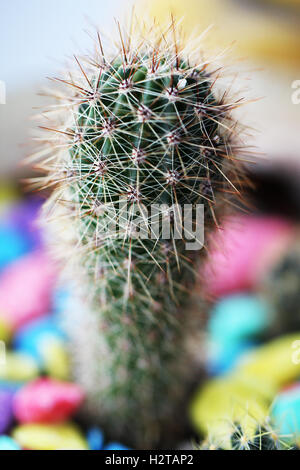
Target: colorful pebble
10,386
224,357
7,443
60,300
24,217
18,368
242,251
248,392
286,412
56,362
95,439
47,401
5,331
222,402
13,244
25,289
50,437
115,446
238,317
8,197
273,362
34,337
6,414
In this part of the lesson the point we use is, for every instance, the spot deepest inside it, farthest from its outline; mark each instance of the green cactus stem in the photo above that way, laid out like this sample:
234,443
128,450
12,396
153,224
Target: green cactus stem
142,126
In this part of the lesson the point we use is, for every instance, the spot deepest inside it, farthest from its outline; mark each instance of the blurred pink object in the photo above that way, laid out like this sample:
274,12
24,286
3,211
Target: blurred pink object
26,289
243,250
47,401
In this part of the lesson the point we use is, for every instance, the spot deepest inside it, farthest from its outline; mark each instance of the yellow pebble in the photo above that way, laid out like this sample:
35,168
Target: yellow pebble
274,363
8,195
18,367
223,402
50,437
56,359
5,331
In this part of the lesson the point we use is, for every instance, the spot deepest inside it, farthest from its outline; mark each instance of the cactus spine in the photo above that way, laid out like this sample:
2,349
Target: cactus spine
265,437
144,126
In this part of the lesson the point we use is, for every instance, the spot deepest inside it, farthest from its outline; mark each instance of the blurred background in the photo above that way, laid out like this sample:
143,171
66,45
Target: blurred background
261,38
36,40
252,286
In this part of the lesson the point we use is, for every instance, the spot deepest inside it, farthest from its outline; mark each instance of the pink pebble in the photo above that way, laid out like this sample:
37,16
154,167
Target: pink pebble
47,401
25,289
241,251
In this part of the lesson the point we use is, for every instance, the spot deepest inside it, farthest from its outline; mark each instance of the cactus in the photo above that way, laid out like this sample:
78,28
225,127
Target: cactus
145,125
265,437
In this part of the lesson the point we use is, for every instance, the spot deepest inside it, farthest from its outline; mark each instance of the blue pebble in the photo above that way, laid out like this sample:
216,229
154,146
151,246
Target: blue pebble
13,245
95,439
11,387
60,300
239,317
115,446
224,357
7,443
33,336
286,412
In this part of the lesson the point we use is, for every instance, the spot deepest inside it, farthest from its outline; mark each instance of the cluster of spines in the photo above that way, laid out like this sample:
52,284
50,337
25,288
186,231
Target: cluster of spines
264,438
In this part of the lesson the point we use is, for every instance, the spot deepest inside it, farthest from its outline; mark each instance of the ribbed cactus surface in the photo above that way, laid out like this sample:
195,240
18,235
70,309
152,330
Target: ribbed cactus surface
141,130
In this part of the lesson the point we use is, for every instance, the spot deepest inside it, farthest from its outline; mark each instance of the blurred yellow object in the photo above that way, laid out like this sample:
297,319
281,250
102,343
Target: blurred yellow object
226,401
244,396
50,437
56,360
5,332
274,363
259,32
8,195
18,367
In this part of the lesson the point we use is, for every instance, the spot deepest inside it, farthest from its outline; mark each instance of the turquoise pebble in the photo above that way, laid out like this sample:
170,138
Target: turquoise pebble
95,439
115,446
13,245
286,412
238,317
7,443
33,337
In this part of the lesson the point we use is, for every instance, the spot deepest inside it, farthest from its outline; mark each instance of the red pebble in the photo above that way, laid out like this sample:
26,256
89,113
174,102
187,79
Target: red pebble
26,289
47,401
